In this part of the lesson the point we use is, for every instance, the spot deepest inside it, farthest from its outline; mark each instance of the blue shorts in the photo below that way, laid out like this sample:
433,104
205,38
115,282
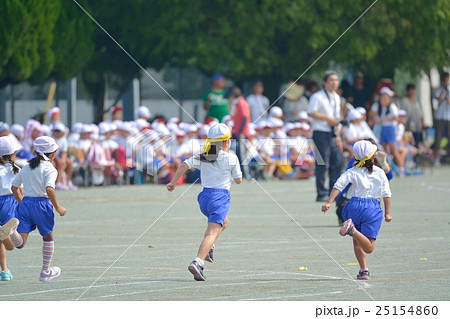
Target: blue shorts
8,206
388,135
214,204
366,214
35,212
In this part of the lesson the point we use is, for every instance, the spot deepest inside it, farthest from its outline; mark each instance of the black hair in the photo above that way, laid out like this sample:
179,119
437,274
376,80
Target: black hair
444,75
7,159
327,74
367,164
213,153
380,107
410,86
35,161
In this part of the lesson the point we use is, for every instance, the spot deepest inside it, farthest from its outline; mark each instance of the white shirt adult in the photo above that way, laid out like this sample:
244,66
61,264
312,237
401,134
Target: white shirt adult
364,184
293,108
219,173
443,111
259,104
36,180
326,104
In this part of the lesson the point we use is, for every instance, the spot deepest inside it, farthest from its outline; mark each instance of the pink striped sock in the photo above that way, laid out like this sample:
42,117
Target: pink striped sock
16,239
47,253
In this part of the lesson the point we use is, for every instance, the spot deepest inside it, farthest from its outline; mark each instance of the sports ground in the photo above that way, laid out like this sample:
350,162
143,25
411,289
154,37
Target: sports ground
135,243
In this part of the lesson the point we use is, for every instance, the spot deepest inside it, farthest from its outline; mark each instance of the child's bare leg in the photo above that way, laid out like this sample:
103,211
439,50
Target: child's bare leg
212,232
366,244
360,255
8,244
3,256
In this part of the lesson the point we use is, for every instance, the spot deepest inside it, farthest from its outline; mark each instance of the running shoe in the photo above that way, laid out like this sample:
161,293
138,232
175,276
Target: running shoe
197,271
6,275
5,230
348,228
51,273
209,257
363,275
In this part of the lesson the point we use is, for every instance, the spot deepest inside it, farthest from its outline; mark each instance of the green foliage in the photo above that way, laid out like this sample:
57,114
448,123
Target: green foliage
244,39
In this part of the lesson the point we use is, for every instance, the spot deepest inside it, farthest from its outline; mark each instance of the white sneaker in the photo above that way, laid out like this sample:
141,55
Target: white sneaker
5,230
71,186
61,186
51,273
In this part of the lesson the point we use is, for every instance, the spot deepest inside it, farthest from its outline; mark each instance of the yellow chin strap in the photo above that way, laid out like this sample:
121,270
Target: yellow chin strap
208,141
362,161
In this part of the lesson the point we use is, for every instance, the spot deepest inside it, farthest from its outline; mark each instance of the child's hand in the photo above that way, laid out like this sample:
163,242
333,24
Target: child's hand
387,217
61,211
326,207
170,186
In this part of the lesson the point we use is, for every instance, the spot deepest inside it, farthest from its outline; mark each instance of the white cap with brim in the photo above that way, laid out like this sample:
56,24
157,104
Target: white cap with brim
45,145
144,111
8,145
3,126
17,130
59,127
354,115
275,111
387,91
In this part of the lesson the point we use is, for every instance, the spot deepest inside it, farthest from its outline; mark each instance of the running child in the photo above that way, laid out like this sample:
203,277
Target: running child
363,214
217,166
8,204
35,208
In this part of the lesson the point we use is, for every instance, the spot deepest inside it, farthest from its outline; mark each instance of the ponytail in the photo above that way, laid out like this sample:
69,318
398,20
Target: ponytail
35,161
7,159
367,164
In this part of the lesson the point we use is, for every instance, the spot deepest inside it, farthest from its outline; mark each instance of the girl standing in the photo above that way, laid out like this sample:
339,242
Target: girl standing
35,208
363,214
8,204
385,113
217,167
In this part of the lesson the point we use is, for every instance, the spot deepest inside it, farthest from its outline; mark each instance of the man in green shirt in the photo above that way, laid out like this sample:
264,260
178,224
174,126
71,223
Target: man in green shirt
214,100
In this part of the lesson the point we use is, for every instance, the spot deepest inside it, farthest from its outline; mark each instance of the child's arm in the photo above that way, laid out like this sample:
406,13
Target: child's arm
387,209
238,180
180,172
18,193
52,196
333,195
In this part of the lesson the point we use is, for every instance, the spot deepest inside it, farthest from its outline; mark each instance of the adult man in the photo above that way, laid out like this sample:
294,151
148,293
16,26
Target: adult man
442,117
214,100
324,108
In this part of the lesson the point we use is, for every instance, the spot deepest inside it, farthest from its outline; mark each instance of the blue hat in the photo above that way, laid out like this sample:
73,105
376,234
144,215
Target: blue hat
216,77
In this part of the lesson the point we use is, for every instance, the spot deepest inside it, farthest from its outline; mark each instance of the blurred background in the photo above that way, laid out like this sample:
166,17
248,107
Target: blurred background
181,43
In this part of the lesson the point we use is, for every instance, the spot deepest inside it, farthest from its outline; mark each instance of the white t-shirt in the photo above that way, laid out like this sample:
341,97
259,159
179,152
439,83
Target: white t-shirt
393,112
443,111
63,145
259,104
36,180
6,178
266,145
325,104
364,184
219,173
289,108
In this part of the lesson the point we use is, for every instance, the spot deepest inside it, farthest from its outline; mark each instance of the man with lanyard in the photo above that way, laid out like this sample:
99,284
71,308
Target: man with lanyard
325,110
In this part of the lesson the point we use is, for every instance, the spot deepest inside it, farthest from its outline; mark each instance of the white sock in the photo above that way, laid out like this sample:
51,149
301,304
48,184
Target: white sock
200,261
